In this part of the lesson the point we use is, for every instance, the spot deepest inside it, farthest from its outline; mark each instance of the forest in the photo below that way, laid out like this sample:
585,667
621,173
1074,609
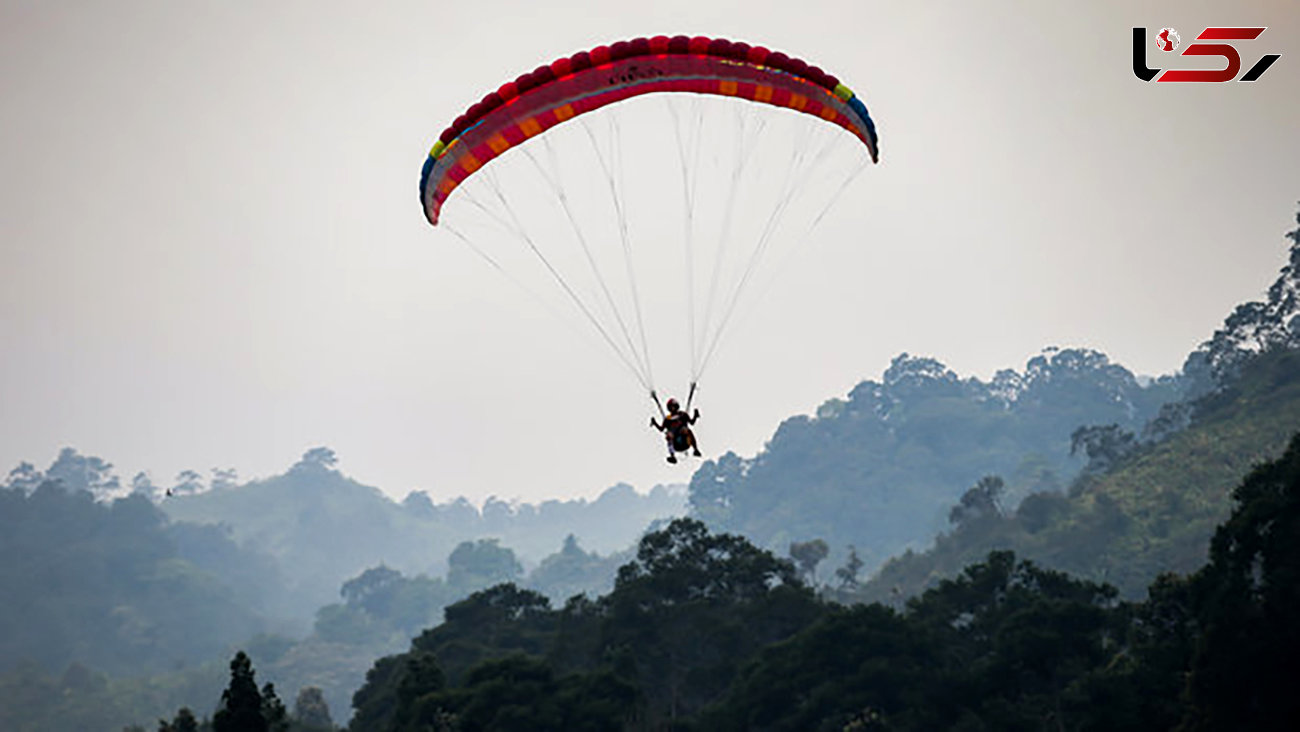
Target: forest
1066,546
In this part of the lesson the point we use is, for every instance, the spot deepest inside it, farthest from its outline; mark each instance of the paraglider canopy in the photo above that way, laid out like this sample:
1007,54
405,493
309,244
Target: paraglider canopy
575,85
740,177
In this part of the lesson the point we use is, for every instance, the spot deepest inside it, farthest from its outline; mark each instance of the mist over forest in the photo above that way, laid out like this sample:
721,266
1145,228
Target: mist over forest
1031,549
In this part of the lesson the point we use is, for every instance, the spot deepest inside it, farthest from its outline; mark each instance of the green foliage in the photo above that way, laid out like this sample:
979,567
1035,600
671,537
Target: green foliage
245,709
573,571
185,721
1105,445
499,621
707,631
664,642
241,707
1243,667
522,693
1153,511
383,610
481,563
881,469
1002,644
376,701
76,473
273,711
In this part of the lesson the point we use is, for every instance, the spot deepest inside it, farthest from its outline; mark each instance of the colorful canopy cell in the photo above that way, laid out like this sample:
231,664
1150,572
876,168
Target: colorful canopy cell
589,80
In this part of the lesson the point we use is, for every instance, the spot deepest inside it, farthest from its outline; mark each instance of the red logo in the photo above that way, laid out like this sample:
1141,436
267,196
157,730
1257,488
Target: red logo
1167,40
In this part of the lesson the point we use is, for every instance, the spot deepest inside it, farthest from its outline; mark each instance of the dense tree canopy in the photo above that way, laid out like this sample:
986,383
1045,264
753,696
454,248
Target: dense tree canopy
881,469
707,631
107,585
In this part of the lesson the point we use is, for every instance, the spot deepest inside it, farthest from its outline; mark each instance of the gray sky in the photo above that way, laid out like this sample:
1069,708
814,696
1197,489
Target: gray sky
213,255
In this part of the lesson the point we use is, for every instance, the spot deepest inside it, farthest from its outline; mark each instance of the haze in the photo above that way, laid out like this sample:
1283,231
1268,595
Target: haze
213,255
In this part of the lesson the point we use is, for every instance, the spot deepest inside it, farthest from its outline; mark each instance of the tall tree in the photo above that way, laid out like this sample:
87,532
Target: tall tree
25,478
80,472
848,574
241,703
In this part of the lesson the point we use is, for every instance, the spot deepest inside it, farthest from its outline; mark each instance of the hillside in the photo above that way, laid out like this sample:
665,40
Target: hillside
881,469
707,631
107,585
1149,505
1154,511
324,528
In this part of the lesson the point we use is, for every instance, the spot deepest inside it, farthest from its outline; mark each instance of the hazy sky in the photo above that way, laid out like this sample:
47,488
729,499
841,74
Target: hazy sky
213,255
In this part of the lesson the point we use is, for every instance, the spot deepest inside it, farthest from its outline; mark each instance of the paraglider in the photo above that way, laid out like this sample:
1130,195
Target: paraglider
746,160
677,430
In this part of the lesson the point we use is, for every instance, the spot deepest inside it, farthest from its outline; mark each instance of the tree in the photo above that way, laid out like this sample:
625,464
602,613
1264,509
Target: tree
690,606
979,501
713,488
241,703
418,503
1039,510
1014,639
25,478
317,459
572,571
183,722
684,562
223,478
80,472
807,555
476,564
188,482
857,663
273,711
1243,670
376,701
372,590
311,710
1104,445
143,485
848,574
421,677
1172,418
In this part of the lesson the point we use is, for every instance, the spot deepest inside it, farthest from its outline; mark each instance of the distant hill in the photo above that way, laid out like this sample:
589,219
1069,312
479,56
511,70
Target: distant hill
881,469
1154,511
106,585
1153,507
324,528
